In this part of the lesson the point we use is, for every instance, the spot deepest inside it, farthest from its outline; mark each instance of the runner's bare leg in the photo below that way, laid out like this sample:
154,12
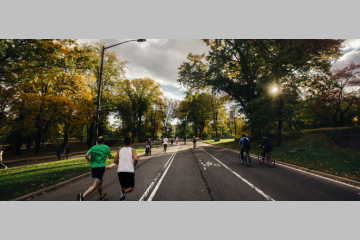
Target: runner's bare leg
93,187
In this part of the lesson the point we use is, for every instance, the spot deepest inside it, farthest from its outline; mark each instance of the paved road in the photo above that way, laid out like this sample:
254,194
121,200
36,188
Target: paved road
208,173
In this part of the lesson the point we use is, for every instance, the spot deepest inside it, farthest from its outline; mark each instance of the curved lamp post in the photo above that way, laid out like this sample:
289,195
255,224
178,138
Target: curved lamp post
99,92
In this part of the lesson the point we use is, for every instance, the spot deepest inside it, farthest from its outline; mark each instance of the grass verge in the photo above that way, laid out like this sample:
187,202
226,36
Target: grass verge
320,154
19,181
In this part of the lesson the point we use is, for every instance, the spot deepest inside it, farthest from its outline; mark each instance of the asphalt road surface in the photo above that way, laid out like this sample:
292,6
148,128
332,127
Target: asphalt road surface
208,173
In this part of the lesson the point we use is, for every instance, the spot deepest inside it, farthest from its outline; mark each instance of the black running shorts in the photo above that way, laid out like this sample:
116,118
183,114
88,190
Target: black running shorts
98,172
126,179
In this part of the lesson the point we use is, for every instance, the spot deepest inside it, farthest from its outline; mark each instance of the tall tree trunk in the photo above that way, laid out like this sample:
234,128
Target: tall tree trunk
342,119
38,141
66,133
90,141
334,117
139,129
184,129
280,121
18,143
358,111
19,136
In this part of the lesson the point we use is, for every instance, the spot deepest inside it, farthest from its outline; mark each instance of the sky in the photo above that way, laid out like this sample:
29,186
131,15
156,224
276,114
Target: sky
160,59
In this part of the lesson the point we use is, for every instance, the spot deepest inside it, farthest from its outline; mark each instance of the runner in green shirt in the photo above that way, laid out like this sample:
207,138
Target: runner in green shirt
99,154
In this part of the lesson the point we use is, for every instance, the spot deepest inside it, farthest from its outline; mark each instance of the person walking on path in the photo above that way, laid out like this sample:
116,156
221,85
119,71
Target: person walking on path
149,143
1,157
177,140
165,140
98,154
66,151
59,151
126,159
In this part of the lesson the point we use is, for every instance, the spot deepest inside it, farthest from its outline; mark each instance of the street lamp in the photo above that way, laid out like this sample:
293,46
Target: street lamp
99,92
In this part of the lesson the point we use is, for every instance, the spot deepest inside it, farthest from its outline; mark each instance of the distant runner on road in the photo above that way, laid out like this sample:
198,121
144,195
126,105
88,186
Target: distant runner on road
165,140
124,160
194,141
177,140
98,154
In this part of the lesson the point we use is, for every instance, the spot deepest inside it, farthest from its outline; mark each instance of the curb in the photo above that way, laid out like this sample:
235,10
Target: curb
61,184
314,172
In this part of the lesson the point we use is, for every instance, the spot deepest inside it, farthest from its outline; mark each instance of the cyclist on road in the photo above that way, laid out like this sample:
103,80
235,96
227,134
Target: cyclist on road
194,141
245,145
267,145
165,140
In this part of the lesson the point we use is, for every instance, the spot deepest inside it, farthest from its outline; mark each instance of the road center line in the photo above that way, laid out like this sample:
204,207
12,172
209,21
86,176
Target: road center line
243,179
162,177
157,177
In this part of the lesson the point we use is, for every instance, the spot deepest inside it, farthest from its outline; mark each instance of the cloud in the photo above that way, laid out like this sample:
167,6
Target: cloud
156,58
351,44
353,56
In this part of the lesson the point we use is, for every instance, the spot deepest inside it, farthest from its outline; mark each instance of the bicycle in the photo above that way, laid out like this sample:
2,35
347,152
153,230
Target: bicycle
247,159
269,158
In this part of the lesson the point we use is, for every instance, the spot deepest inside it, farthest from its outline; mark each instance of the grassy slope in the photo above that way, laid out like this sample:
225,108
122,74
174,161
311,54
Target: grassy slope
19,181
320,154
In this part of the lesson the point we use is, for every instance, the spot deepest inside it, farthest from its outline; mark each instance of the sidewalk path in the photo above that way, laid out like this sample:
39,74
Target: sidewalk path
17,162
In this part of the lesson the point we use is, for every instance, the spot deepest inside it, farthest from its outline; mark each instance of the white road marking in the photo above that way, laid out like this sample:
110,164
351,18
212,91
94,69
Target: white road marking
243,179
156,178
217,165
204,168
313,174
162,177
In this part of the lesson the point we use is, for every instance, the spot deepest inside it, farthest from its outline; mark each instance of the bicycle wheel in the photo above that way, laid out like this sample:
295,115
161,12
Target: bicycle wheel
247,160
271,161
241,161
261,161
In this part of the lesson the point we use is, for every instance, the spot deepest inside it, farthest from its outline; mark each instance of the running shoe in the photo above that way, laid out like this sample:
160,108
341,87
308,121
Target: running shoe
80,197
122,195
103,197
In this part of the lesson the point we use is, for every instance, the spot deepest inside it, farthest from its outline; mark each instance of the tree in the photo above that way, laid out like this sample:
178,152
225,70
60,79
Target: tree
341,91
156,115
196,108
141,93
113,74
245,69
171,107
25,59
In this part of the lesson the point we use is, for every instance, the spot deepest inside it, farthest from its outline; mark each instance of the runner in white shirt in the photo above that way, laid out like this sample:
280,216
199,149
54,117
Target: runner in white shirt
177,140
165,140
126,159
